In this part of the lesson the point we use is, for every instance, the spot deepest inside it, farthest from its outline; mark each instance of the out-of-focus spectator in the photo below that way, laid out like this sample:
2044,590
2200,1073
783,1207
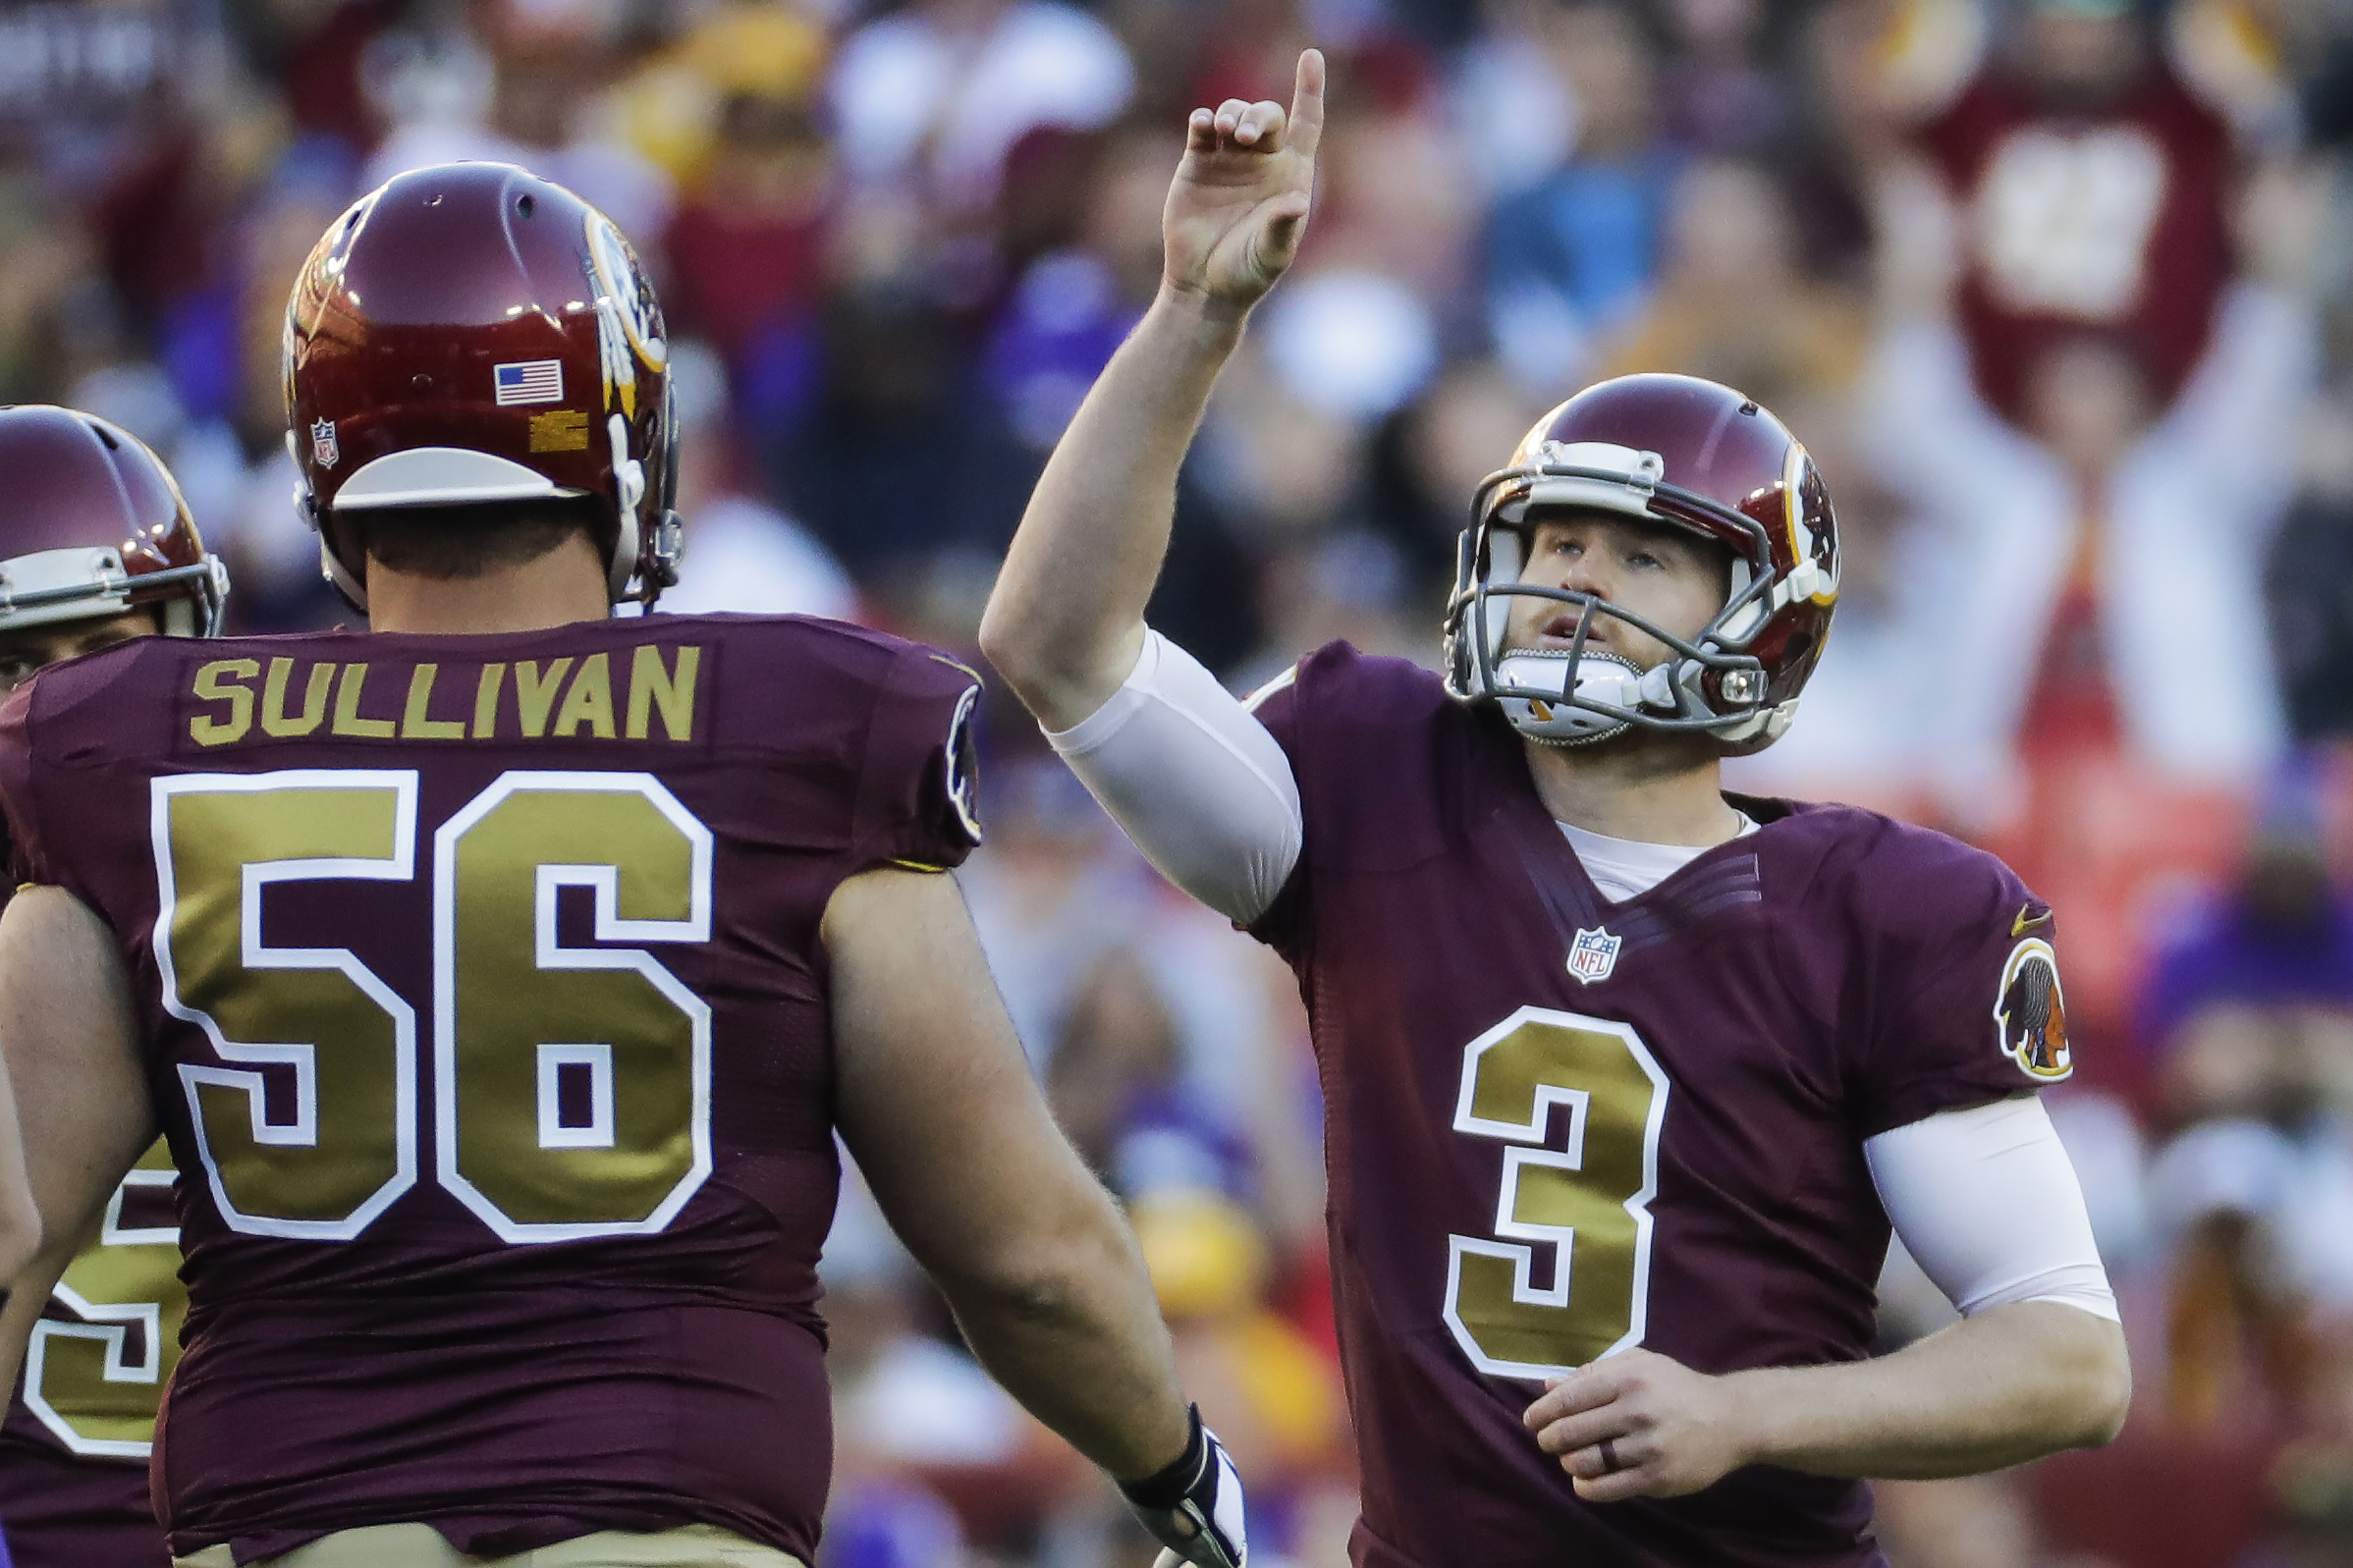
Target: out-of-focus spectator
208,391
1347,586
1427,461
745,249
903,466
316,53
742,553
1074,303
167,203
2082,531
674,108
2282,939
89,68
1352,342
1391,197
1867,738
1115,1079
1284,464
1845,120
2309,581
2256,1213
1511,96
730,111
935,95
1572,258
1715,95
2094,191
2251,1006
543,68
1734,303
1251,46
44,260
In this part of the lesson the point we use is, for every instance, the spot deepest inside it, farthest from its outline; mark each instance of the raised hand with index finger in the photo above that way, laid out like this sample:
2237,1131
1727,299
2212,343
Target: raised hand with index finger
1238,204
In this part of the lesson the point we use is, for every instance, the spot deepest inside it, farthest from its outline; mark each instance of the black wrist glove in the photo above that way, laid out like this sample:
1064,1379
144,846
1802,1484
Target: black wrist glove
1194,1507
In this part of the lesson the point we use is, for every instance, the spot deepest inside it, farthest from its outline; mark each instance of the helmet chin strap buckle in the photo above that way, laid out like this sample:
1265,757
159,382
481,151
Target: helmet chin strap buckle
1534,692
670,548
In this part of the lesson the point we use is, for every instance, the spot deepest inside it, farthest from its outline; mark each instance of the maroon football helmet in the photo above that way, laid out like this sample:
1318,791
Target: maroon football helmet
91,524
471,333
1679,452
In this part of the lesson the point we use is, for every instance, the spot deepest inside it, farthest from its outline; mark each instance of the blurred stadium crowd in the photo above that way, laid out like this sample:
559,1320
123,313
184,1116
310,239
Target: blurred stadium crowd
2060,292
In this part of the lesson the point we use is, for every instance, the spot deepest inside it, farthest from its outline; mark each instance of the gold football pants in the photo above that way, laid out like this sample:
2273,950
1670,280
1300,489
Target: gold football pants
422,1546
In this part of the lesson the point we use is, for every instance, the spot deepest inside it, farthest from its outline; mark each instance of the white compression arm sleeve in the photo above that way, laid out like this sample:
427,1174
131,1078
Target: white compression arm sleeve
1986,1200
1195,781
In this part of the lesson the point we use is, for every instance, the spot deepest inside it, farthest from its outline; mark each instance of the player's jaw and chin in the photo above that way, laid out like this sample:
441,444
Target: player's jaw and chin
1651,569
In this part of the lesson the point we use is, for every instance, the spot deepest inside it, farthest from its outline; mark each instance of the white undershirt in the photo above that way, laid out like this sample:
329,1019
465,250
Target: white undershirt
1627,868
1984,1198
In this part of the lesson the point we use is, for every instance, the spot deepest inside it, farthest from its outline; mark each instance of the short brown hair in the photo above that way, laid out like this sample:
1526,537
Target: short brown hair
452,543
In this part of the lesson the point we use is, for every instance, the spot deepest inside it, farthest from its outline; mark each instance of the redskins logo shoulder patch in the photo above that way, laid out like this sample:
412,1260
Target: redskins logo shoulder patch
963,761
2030,1013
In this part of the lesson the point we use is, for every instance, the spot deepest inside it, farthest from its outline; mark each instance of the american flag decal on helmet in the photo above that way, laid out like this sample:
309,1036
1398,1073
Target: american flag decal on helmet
530,381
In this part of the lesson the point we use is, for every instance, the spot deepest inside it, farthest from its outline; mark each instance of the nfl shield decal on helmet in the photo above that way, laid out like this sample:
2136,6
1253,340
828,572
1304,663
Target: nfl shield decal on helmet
2031,1012
323,450
1593,954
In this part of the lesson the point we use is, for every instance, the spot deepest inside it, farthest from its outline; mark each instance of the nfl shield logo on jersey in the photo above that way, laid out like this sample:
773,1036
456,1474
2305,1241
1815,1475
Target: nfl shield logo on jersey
323,450
1593,954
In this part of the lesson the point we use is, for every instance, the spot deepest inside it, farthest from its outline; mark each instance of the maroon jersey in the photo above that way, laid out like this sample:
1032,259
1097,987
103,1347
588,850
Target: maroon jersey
1558,1126
485,1016
2113,223
73,1450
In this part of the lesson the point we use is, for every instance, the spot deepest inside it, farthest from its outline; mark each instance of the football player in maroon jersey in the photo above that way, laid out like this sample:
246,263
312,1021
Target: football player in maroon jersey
96,547
500,977
1625,1077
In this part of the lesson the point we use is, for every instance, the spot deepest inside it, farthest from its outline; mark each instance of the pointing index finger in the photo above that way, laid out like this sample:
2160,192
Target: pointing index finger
1307,103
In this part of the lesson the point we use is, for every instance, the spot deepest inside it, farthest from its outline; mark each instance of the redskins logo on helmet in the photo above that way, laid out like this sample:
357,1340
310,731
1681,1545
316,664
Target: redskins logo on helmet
2031,1012
93,525
472,333
1678,452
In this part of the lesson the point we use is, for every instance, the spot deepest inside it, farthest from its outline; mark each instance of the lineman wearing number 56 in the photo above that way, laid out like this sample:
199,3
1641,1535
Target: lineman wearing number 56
500,976
1626,1076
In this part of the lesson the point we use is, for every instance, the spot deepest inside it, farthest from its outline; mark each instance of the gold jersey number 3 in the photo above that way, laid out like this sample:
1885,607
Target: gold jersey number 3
1589,1200
571,1085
